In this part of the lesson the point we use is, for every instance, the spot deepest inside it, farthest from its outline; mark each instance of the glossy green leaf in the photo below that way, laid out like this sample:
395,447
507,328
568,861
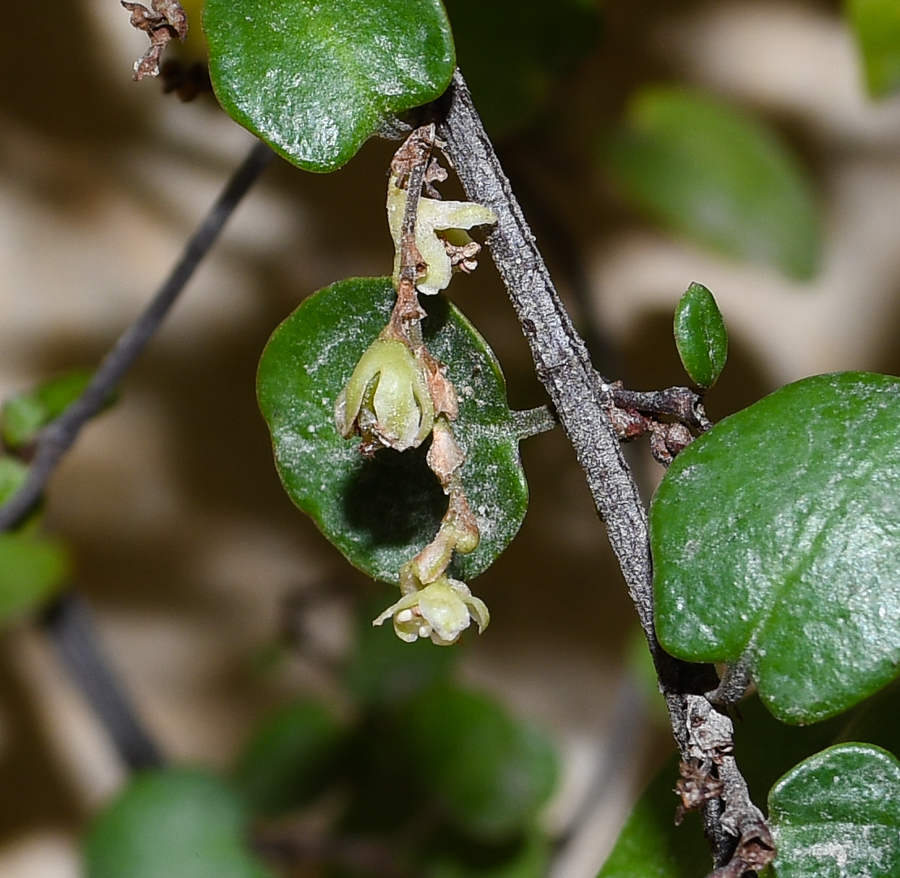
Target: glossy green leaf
289,759
700,335
25,414
876,26
316,80
32,569
650,845
179,822
514,52
380,512
715,174
776,542
490,773
836,815
383,669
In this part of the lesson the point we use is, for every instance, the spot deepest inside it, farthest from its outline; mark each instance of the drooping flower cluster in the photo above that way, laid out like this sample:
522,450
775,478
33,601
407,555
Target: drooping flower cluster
399,393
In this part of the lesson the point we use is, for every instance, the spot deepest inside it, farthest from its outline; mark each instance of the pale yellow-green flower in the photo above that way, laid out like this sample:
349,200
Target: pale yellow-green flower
437,222
440,611
386,399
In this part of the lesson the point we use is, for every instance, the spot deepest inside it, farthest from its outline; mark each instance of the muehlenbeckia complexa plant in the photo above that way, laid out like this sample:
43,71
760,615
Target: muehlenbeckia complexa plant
775,533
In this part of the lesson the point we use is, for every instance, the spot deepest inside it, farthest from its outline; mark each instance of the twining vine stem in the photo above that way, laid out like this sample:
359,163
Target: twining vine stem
582,399
56,438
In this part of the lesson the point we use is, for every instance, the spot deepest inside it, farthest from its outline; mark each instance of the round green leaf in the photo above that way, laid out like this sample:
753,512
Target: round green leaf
776,543
32,569
179,822
876,25
718,176
316,80
836,815
490,773
700,335
289,758
380,512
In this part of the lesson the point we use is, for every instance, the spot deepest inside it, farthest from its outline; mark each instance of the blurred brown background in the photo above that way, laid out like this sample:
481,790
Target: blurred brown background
185,543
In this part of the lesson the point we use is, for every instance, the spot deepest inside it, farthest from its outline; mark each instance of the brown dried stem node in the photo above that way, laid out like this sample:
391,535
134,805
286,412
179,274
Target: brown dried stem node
163,23
634,414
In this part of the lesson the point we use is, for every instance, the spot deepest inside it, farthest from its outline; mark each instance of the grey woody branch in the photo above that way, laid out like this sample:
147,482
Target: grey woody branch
583,401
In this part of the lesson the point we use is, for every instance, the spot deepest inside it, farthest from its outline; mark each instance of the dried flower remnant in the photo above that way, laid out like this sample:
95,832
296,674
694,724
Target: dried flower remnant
387,399
164,23
440,235
697,785
440,611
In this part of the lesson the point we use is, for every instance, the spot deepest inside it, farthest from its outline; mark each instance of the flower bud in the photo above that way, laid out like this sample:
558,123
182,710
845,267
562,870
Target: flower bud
386,400
441,611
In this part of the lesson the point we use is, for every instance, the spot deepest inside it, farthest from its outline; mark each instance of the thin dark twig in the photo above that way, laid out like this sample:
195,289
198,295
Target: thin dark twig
582,400
69,623
56,439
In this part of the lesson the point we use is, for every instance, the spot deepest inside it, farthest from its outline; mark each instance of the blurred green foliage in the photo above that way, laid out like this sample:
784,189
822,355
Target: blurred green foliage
876,25
440,779
290,758
25,414
33,567
176,822
712,172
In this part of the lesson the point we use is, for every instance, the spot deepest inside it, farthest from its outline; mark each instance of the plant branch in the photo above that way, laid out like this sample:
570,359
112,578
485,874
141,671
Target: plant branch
560,356
69,623
57,437
531,422
582,401
681,403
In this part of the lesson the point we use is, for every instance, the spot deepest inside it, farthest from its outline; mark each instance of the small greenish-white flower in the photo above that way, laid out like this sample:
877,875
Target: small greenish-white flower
441,611
438,224
386,400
